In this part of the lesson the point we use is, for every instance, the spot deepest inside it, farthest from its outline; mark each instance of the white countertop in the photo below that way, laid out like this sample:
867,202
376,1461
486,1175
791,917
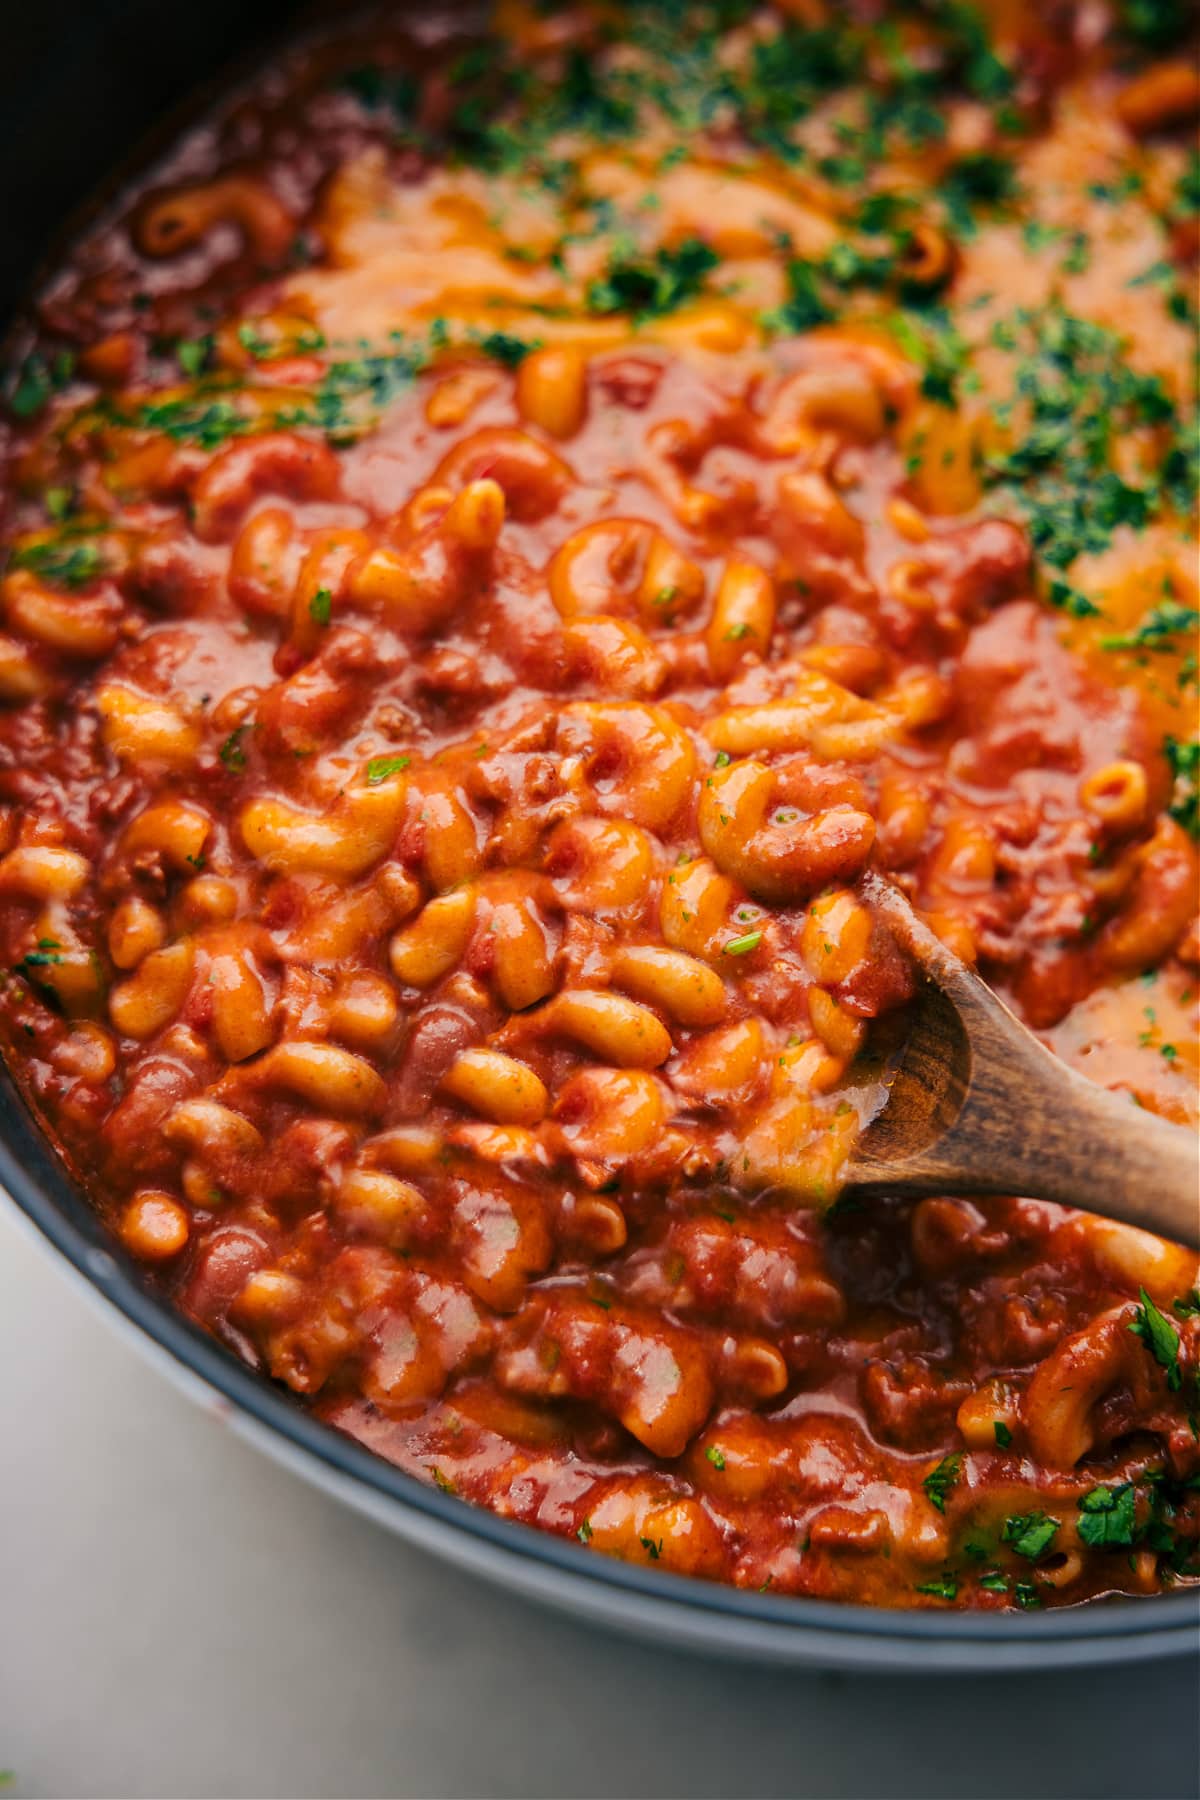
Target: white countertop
179,1617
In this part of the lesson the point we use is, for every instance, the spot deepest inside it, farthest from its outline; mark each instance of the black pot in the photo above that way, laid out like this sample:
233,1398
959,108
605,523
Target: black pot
88,89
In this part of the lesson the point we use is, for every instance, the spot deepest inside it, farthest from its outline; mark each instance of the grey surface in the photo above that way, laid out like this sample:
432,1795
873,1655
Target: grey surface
179,1617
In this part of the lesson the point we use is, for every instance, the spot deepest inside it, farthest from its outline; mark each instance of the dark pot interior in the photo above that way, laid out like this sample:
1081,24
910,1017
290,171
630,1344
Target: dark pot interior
82,82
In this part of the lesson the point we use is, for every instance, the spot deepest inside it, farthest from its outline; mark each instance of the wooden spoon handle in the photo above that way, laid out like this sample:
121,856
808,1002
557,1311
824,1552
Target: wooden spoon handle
1001,1115
1035,1127
1116,1158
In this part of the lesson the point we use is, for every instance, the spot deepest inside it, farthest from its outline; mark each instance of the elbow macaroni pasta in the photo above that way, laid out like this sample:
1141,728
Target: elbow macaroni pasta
463,639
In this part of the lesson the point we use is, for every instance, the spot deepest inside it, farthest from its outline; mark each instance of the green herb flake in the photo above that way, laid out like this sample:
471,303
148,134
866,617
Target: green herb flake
231,752
1107,1517
940,1480
1078,394
503,347
1003,1435
64,561
38,380
715,1457
39,959
1154,24
320,607
1183,760
192,355
381,767
1158,630
944,1588
1160,1338
273,349
1064,597
649,285
1030,1534
742,946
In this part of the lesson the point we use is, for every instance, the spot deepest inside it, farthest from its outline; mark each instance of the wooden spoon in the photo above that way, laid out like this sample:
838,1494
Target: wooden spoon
976,1105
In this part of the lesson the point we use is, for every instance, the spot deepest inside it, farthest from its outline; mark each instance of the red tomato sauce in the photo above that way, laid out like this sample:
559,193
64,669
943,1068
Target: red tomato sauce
501,530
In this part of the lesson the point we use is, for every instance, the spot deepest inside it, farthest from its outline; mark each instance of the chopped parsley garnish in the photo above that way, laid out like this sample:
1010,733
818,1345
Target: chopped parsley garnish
510,117
46,954
1187,192
1107,1517
1002,1434
378,378
1065,598
503,347
231,752
1030,1534
584,1534
806,306
212,414
817,294
376,88
33,389
1184,762
350,392
253,341
1160,1338
1075,397
380,767
980,179
208,418
64,561
192,355
715,1457
944,1588
742,946
320,607
265,348
939,1481
1158,630
38,380
930,339
652,283
1155,24
653,1549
